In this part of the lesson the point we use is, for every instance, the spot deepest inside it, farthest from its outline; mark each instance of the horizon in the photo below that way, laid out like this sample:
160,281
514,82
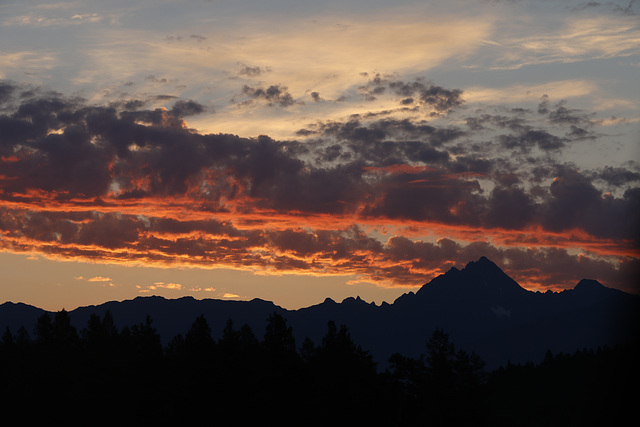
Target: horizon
297,151
338,301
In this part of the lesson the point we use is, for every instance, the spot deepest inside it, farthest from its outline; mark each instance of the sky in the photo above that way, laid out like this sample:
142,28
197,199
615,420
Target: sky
297,150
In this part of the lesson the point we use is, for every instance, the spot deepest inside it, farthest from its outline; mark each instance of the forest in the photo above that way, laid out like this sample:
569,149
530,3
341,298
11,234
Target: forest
103,374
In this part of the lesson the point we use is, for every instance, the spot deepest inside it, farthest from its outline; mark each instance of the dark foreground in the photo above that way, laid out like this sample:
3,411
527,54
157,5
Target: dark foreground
102,375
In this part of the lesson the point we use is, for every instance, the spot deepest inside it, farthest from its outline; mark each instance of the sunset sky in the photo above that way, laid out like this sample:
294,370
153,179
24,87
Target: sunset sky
293,150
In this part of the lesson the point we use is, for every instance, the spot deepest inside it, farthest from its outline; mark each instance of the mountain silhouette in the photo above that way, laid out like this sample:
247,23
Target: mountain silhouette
481,308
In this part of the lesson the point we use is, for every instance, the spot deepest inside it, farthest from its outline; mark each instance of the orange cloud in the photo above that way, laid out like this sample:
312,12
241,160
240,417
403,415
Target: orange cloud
99,279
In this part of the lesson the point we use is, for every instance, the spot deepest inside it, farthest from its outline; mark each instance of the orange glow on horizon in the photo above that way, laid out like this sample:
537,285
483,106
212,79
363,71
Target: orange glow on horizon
239,215
237,234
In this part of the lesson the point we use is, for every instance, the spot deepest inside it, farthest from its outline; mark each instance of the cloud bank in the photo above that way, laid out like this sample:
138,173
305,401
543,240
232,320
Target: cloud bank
392,199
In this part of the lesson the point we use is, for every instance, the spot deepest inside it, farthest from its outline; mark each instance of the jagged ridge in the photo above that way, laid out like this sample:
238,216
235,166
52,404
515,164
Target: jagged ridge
481,307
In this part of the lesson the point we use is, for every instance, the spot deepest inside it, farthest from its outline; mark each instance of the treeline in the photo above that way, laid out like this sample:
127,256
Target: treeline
103,374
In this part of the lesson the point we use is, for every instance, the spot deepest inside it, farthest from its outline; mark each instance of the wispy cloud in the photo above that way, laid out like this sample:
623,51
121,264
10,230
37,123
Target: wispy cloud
229,295
160,286
99,279
518,94
576,39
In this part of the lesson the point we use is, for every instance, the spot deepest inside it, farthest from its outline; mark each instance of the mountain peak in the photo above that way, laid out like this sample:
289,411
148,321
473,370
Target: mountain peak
484,264
589,285
352,300
482,276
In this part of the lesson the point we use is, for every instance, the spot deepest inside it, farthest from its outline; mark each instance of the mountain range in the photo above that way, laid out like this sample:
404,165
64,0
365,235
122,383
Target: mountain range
481,308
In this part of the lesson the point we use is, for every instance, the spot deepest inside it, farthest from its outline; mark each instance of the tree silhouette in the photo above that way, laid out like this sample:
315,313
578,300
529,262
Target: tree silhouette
198,341
341,356
176,348
248,341
344,377
238,347
410,378
64,334
142,342
43,330
336,380
22,338
278,337
101,339
278,373
441,387
14,348
455,379
7,338
440,359
230,337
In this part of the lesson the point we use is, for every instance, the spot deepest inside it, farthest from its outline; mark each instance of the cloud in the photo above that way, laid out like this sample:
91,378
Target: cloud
182,108
46,17
230,295
569,38
158,286
255,71
529,138
562,89
617,176
99,279
274,95
438,98
576,202
323,56
372,196
106,281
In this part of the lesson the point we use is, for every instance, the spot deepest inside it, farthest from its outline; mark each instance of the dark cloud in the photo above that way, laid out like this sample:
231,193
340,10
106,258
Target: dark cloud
440,99
510,208
133,104
274,95
249,71
616,176
207,226
527,139
387,141
159,80
576,203
543,106
124,182
632,8
577,133
563,115
61,145
428,196
6,92
187,108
